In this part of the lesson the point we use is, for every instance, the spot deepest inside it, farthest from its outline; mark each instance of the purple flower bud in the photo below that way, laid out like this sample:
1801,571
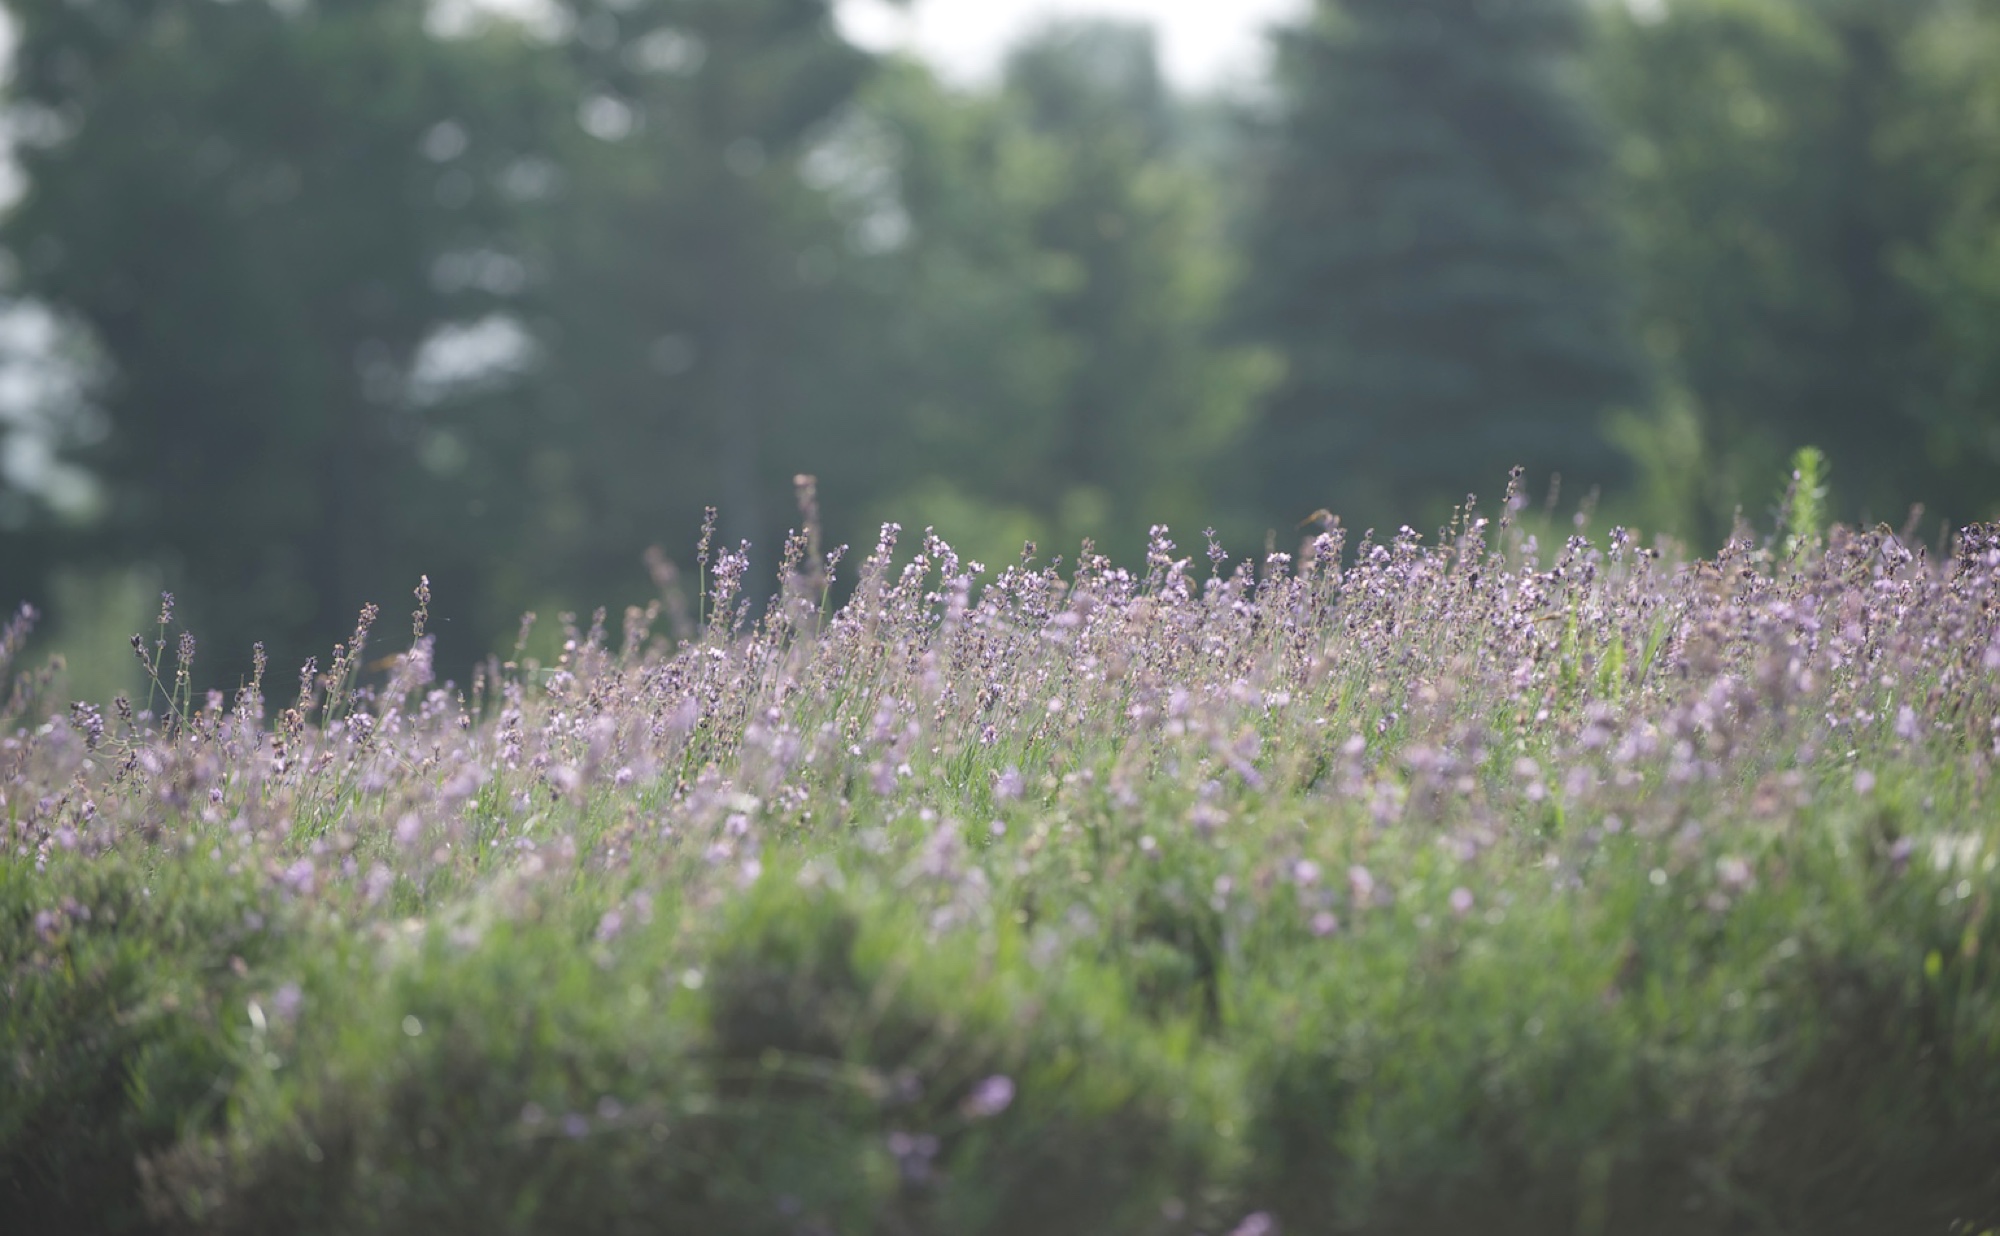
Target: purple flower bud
989,1098
1361,883
408,829
1010,784
882,778
1733,873
300,877
609,926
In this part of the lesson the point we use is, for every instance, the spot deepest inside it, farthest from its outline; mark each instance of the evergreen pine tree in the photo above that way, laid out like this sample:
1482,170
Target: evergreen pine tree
1430,257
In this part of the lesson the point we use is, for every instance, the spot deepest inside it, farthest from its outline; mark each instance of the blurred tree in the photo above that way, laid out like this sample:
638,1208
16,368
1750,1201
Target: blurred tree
956,370
1054,348
280,224
991,313
699,279
1432,258
1956,269
47,371
1156,397
1812,194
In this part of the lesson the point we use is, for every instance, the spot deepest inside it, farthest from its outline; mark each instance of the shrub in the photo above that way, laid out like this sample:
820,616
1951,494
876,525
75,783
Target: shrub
121,979
1015,1098
826,1066
1647,1061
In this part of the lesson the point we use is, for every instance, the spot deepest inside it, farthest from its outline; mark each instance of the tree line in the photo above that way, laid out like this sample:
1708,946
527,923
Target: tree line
335,293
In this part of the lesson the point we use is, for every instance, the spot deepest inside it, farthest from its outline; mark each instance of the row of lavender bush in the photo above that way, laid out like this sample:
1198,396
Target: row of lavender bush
1468,885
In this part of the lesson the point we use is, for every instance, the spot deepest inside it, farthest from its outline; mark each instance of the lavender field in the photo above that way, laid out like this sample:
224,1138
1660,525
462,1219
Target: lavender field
1461,883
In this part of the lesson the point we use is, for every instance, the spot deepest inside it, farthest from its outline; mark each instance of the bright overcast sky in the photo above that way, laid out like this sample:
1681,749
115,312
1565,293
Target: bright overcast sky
1204,42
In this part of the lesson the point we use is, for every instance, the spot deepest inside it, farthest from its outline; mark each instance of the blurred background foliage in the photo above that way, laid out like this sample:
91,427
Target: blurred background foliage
303,298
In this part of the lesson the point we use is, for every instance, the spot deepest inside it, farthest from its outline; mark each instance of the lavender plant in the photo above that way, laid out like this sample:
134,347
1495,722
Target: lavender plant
1417,884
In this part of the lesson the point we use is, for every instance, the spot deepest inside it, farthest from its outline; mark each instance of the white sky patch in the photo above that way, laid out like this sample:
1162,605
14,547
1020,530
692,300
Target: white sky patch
47,369
467,355
1204,43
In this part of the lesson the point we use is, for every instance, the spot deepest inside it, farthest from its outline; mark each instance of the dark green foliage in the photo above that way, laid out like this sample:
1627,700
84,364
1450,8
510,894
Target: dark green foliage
1822,1054
687,255
1040,358
1134,287
122,987
830,1070
1431,257
1174,957
452,1089
1781,1064
732,246
1107,1119
246,205
1807,185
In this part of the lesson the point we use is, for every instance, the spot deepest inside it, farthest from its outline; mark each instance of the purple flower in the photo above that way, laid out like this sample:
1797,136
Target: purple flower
300,876
1010,784
1258,1224
989,1098
408,829
1361,883
1899,853
1461,901
461,785
609,926
882,778
913,1152
912,1145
